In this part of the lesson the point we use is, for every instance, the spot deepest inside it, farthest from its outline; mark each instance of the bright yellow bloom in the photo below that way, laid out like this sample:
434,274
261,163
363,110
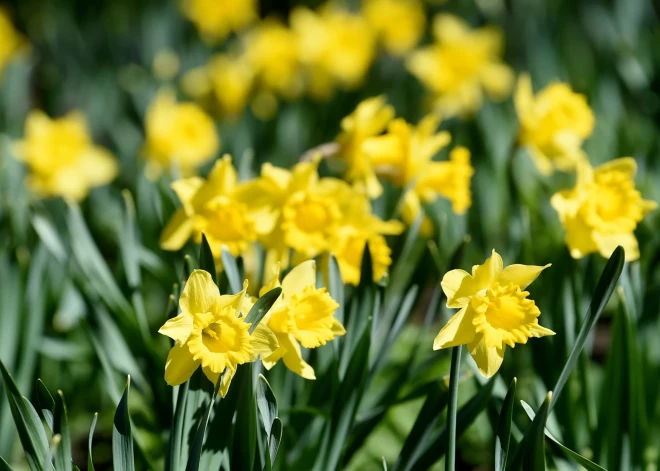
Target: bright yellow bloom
603,209
61,157
398,23
303,314
461,65
494,311
369,119
210,332
11,40
215,19
335,45
553,124
211,207
178,134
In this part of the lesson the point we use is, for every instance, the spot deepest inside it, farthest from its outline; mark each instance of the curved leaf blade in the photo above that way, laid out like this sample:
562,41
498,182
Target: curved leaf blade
503,434
90,462
60,422
122,439
46,403
261,307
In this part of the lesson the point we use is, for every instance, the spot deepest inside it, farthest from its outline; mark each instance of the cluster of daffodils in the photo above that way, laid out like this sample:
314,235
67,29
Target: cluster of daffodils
373,143
11,40
316,52
211,331
294,214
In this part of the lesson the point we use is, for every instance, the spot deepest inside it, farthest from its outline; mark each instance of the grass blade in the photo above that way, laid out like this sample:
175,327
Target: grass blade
176,435
231,271
90,462
46,403
454,373
206,261
274,440
531,451
266,404
122,439
61,427
4,466
261,307
503,435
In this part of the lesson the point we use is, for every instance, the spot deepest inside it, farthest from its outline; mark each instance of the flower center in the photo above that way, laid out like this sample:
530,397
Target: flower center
221,338
312,215
225,220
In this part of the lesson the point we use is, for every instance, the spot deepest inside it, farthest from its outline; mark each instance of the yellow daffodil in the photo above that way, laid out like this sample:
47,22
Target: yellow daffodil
11,40
211,207
215,19
399,24
178,134
461,65
210,333
61,157
553,124
603,209
303,314
369,119
335,45
494,311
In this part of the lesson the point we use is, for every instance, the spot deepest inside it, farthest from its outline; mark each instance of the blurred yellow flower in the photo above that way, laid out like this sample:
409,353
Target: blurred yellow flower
336,46
166,64
399,24
553,124
303,314
61,157
210,333
603,209
179,135
494,311
461,65
11,40
215,19
211,207
369,119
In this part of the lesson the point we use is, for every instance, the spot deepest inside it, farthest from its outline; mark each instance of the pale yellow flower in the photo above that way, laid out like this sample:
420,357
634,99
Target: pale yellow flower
211,332
303,314
399,24
603,210
461,65
211,207
494,311
62,158
11,40
215,19
179,135
553,124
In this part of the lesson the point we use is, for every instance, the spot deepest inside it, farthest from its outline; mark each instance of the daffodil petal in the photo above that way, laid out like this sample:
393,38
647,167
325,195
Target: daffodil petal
451,285
236,301
180,365
624,165
337,328
299,278
200,295
520,275
488,359
608,242
458,331
488,272
263,342
177,232
293,358
226,381
178,328
186,188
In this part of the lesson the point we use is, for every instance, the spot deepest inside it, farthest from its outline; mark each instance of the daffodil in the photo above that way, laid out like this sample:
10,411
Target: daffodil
11,40
553,124
178,134
495,311
216,19
302,315
62,158
211,332
211,207
603,210
461,65
399,24
369,119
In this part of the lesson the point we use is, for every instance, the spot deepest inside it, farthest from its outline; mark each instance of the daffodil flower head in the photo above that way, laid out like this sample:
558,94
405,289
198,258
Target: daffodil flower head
399,24
211,333
553,124
495,311
603,210
302,315
215,19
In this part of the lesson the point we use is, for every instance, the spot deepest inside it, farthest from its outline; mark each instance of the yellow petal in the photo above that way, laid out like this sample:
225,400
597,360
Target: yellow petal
458,331
451,284
177,232
524,97
337,328
180,365
497,78
185,189
263,342
200,295
521,275
274,280
235,301
608,242
226,381
98,166
488,359
299,278
624,165
488,272
293,358
178,328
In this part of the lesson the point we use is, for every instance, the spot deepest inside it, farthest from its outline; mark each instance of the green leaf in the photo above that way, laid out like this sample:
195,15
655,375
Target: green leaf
30,430
90,462
266,404
581,460
206,261
49,236
122,439
245,430
196,449
63,453
4,466
336,287
274,441
454,372
46,403
261,307
531,451
384,464
176,435
602,294
503,434
231,271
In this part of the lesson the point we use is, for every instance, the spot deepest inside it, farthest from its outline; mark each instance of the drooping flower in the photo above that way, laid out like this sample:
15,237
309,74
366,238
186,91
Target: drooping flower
399,24
211,207
62,158
461,65
216,19
210,333
178,134
302,315
553,124
494,311
11,40
603,210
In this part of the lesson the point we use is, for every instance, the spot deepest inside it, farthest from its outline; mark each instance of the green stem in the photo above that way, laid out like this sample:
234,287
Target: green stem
453,406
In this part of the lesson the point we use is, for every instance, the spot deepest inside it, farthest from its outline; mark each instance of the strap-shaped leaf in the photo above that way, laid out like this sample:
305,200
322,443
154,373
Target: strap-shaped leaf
503,433
61,427
454,372
230,268
4,466
122,439
206,261
531,450
261,307
46,403
90,462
